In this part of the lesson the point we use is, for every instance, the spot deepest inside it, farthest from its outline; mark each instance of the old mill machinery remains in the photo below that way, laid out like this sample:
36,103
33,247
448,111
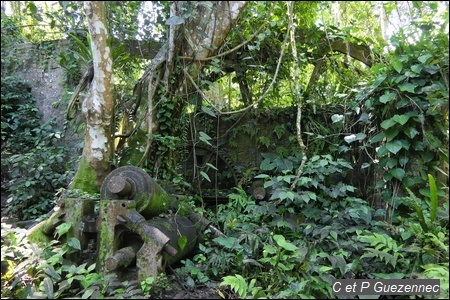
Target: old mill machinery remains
134,223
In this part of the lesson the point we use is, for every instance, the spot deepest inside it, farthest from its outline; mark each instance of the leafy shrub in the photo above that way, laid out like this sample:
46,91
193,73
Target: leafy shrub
33,165
44,271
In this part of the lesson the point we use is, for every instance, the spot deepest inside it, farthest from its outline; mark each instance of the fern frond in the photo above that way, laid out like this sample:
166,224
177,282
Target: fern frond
385,248
388,258
237,284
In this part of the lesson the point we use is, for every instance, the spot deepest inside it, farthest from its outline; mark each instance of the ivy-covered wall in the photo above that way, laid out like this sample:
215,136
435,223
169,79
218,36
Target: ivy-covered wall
37,65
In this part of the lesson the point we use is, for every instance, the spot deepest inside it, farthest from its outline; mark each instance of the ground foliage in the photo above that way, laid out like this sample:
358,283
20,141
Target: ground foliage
390,129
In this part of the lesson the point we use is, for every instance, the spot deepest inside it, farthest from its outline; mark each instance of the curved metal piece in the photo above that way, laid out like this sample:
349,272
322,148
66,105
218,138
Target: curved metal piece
126,183
133,183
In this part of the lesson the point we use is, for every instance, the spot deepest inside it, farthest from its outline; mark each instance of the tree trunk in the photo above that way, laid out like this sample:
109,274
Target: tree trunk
197,29
98,107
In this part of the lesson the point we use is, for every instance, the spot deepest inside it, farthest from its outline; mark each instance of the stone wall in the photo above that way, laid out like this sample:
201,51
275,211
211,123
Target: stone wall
37,66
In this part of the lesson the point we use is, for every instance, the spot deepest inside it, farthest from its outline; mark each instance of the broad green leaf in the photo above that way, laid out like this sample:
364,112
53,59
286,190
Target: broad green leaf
74,243
382,151
405,144
423,58
88,293
267,165
398,173
281,241
182,241
377,138
416,68
411,132
228,242
379,80
403,160
270,249
325,269
282,195
387,97
391,133
406,235
312,195
391,162
91,267
407,87
394,146
387,123
401,119
337,118
63,228
397,64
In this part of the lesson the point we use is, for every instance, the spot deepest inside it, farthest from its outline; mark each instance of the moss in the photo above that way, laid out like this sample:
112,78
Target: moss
38,237
85,179
41,232
106,237
159,203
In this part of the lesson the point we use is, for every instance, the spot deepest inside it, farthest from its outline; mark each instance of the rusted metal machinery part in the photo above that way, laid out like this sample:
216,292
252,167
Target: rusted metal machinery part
130,200
157,239
133,183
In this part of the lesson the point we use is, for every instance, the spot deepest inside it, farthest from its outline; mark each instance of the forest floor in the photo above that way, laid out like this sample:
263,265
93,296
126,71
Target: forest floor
174,287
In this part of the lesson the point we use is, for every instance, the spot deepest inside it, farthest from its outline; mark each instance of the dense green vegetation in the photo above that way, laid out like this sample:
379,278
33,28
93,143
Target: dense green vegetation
366,198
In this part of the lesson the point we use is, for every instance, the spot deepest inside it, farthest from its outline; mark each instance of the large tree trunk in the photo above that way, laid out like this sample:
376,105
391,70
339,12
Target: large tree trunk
98,107
196,31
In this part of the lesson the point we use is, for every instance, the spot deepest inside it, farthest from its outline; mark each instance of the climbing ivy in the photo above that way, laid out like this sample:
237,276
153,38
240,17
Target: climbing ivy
34,166
407,109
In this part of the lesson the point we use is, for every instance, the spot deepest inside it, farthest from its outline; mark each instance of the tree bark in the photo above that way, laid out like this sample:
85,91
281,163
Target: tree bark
98,107
196,31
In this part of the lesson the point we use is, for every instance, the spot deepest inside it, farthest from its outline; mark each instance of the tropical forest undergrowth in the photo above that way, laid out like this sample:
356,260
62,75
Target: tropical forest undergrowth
363,195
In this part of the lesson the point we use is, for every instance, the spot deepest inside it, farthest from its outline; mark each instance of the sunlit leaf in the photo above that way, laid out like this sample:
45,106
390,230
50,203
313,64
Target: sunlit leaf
63,228
387,97
204,175
281,241
397,64
424,58
337,118
182,241
407,87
